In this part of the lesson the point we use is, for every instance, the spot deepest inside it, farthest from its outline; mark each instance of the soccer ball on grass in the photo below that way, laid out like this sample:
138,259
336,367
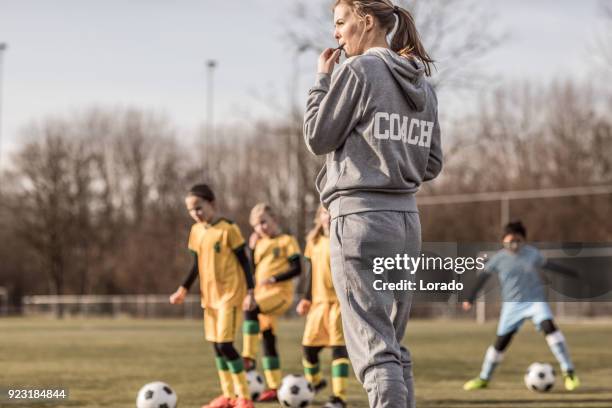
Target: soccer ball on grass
156,395
256,384
295,392
540,377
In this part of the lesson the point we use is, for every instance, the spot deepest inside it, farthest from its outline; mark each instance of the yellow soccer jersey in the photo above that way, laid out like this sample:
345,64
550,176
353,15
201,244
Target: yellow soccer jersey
322,285
272,256
222,280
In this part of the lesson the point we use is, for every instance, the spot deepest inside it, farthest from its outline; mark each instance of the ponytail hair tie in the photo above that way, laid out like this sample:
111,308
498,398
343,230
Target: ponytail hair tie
395,9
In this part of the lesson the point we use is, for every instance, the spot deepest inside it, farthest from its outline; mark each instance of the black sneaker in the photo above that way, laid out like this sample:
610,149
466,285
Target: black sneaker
335,402
322,384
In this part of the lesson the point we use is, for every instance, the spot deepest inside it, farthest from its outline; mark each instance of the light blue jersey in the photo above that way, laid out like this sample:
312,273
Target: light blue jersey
521,288
518,274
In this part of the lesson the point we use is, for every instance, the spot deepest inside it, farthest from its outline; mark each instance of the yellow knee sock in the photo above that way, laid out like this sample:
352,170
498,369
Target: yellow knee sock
236,368
272,372
312,372
227,387
340,372
250,338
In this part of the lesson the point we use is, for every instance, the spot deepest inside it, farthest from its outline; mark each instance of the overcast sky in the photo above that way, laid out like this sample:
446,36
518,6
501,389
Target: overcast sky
67,55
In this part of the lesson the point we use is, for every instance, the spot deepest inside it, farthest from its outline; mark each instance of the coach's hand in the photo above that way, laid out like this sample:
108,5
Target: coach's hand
249,302
303,307
466,305
327,60
179,296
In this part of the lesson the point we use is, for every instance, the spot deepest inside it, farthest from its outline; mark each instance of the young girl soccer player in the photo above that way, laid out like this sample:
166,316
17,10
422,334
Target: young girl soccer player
376,120
523,295
323,323
276,258
220,260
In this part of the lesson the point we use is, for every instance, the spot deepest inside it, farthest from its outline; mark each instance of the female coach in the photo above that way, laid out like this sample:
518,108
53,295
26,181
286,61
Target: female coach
376,122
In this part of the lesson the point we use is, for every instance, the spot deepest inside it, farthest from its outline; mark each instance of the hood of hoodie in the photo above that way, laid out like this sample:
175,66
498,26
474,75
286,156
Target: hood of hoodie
409,74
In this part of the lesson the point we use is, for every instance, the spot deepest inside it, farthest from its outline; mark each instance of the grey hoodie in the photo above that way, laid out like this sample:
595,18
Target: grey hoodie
376,119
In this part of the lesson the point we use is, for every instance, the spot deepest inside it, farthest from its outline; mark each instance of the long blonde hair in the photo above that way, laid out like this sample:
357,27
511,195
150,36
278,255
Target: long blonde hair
406,40
318,230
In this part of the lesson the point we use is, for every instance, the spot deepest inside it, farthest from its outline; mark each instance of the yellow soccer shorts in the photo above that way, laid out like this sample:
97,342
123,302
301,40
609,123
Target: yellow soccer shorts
220,325
271,306
323,326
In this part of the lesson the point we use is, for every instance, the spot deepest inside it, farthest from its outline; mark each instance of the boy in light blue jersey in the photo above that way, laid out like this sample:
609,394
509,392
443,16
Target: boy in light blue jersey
523,298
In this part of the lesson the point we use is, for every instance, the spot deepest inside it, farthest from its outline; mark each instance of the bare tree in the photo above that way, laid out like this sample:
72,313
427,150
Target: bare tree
44,204
98,199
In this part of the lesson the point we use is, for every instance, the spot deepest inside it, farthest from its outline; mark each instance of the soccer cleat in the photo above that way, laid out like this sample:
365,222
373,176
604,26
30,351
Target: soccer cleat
320,385
475,384
571,381
269,395
335,402
220,402
243,403
249,363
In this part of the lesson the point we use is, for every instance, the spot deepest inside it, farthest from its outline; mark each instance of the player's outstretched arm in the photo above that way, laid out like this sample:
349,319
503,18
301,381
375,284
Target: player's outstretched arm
563,270
308,275
295,269
179,296
304,305
480,282
245,264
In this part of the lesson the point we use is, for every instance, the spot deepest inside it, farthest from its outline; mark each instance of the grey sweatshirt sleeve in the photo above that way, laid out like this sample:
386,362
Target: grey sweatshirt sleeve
434,162
332,110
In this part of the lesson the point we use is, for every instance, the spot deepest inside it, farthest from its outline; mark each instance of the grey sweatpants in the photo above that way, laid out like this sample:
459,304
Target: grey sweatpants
374,322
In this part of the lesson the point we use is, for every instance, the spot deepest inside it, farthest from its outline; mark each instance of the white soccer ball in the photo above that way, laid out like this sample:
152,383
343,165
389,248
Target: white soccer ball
540,377
156,395
295,392
256,384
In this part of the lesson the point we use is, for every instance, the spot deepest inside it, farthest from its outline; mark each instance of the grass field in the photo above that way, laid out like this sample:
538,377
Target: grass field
105,362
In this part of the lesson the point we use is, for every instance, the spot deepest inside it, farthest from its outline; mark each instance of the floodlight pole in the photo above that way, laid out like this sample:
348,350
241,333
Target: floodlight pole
209,137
